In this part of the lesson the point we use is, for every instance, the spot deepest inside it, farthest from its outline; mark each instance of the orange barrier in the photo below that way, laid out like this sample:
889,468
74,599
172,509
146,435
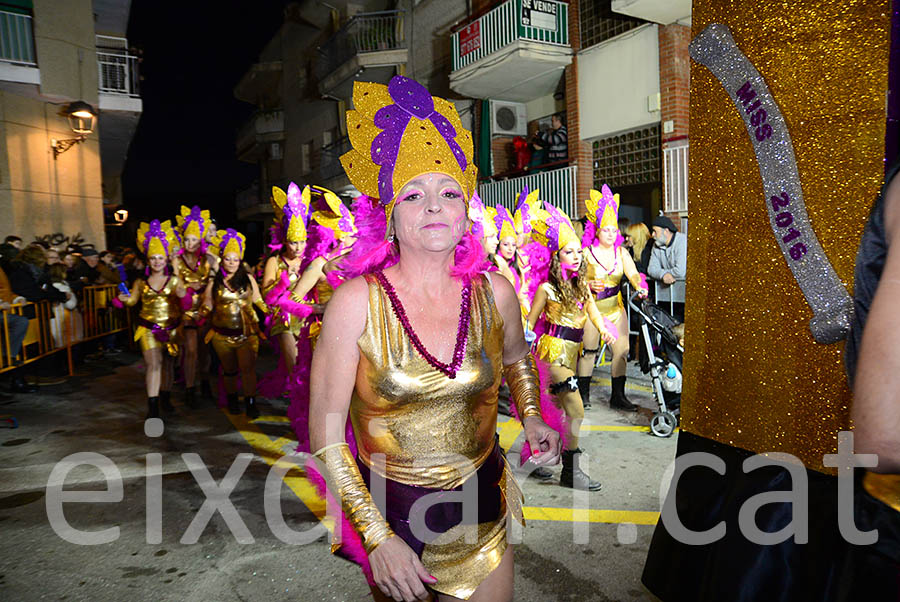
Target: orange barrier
54,328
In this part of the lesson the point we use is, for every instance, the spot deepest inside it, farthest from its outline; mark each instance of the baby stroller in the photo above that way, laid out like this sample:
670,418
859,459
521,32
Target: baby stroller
664,363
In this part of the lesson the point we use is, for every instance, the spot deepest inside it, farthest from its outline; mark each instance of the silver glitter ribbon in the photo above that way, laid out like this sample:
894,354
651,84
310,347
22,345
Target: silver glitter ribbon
826,295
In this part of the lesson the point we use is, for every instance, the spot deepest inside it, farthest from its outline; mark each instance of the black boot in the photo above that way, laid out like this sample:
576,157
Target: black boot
617,399
153,407
584,388
165,402
250,407
190,398
572,475
206,389
233,406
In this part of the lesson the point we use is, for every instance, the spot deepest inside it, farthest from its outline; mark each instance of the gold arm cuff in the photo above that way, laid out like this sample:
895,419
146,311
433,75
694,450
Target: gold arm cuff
261,306
356,501
296,298
524,386
883,487
635,281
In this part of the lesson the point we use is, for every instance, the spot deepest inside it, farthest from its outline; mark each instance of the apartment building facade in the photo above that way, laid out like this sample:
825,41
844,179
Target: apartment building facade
69,103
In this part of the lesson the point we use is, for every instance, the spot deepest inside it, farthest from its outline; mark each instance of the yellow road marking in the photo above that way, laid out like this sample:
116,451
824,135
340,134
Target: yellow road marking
278,419
270,450
591,515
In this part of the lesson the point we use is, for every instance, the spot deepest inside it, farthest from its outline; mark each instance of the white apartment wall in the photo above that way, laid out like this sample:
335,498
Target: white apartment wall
614,80
541,107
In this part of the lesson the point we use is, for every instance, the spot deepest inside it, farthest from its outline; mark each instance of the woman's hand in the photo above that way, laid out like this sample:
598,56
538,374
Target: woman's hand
398,572
643,293
123,297
596,286
608,337
545,442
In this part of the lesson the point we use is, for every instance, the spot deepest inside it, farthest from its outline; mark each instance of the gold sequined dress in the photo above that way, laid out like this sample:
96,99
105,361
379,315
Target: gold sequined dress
233,321
160,313
282,321
196,278
609,302
558,346
434,431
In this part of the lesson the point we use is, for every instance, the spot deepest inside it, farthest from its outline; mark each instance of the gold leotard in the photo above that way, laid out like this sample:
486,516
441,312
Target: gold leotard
233,320
611,307
554,350
435,431
197,280
162,308
282,322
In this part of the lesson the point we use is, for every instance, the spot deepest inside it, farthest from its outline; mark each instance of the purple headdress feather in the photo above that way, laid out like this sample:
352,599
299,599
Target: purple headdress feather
156,231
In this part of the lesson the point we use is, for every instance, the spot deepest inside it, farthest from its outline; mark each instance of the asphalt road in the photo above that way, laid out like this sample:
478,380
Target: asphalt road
100,411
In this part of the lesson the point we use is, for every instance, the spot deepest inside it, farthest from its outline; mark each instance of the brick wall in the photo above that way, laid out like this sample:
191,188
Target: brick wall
579,152
674,78
503,154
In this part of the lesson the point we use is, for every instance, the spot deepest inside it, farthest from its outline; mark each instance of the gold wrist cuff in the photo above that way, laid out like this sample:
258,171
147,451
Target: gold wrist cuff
356,501
296,298
524,386
261,306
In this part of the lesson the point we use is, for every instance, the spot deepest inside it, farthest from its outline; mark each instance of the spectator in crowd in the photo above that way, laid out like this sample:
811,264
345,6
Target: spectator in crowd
556,139
77,271
28,278
134,267
52,257
106,269
16,326
636,238
668,260
9,249
62,312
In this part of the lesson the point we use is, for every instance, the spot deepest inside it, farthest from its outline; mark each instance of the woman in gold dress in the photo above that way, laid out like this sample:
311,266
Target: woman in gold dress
607,264
281,275
159,321
194,266
414,352
234,330
566,305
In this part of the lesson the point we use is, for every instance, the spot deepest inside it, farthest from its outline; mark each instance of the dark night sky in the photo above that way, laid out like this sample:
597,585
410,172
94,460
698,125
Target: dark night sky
194,53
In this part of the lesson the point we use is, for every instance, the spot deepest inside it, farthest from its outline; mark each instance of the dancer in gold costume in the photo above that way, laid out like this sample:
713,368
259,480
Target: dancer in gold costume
413,352
607,264
194,267
281,276
566,305
234,331
159,320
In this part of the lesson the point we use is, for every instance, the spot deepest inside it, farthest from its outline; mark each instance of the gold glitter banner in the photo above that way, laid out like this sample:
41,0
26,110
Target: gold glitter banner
754,376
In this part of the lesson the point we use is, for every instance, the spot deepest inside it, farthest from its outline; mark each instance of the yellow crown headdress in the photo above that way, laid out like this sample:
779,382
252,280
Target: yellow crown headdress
603,208
291,212
527,208
553,229
230,241
193,222
339,220
506,227
399,132
157,238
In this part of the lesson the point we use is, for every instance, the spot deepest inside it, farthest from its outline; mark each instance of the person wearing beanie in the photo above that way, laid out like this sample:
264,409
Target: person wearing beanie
668,260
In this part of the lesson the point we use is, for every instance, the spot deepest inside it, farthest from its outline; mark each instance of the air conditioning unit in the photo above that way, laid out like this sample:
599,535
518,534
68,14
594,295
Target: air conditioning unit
508,118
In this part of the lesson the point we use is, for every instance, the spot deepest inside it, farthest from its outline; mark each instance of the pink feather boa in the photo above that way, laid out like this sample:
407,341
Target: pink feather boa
551,413
188,300
279,297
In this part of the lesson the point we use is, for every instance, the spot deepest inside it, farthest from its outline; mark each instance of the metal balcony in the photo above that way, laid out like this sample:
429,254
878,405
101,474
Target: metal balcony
118,75
330,166
262,128
516,51
557,187
369,43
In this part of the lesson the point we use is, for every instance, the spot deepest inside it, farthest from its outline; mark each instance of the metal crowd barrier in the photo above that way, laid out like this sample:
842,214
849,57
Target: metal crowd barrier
54,329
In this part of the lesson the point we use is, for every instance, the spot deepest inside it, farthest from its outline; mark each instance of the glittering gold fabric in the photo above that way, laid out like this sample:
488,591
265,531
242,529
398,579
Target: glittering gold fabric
524,386
356,501
433,430
553,350
323,292
883,487
754,377
612,308
233,310
163,308
282,322
196,279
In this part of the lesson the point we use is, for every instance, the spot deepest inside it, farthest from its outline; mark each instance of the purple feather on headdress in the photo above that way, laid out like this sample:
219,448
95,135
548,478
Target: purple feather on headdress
156,231
230,234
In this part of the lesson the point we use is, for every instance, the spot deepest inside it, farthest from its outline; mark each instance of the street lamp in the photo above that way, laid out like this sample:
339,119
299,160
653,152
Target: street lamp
120,216
82,117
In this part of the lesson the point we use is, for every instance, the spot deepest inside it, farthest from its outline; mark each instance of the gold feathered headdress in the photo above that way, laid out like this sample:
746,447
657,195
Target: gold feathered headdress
603,208
553,229
230,241
157,238
291,212
339,219
193,221
399,132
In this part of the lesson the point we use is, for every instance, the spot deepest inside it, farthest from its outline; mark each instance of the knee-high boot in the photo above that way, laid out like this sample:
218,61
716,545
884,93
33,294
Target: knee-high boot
233,406
165,402
572,475
584,389
617,399
153,407
250,407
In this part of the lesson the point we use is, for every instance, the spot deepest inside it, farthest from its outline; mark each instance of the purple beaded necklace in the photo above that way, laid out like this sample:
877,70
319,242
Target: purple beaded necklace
462,331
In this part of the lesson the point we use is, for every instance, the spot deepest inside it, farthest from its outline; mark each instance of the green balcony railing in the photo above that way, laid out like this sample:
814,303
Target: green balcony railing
544,21
16,38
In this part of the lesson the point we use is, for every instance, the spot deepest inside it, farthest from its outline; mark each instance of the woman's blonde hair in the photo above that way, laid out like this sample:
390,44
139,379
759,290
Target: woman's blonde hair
639,234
